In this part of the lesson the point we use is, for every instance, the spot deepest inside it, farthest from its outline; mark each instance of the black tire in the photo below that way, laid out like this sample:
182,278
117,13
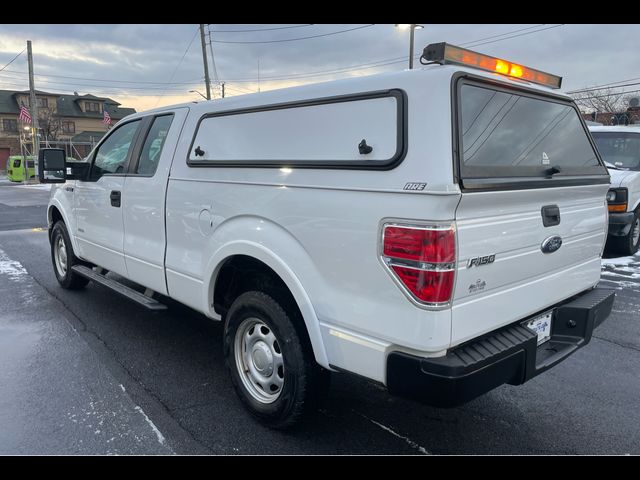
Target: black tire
67,279
626,245
305,382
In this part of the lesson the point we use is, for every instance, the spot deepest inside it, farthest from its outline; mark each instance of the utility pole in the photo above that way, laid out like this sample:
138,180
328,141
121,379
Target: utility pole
222,89
204,59
34,114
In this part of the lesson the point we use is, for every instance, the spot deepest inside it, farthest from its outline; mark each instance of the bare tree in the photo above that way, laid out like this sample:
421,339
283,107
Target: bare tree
49,122
602,100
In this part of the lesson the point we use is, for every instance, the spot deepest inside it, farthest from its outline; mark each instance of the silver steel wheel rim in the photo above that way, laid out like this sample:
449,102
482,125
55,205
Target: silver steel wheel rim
635,234
259,361
60,255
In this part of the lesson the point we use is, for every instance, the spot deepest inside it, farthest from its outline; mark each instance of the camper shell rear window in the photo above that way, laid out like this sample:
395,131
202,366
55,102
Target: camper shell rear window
507,137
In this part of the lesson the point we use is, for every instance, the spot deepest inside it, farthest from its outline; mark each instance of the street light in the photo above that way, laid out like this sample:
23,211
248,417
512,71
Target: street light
412,26
195,91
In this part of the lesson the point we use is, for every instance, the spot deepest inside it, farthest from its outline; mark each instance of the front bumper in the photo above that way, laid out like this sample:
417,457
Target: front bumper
620,223
508,355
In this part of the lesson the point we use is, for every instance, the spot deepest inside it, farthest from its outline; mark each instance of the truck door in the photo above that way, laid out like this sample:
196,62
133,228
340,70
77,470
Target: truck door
98,200
143,199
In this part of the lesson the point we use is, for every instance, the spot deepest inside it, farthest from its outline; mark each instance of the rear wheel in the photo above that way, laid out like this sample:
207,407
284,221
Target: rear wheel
270,362
628,245
63,258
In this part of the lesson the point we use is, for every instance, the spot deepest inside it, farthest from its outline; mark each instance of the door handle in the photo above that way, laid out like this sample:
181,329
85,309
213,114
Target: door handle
550,215
115,197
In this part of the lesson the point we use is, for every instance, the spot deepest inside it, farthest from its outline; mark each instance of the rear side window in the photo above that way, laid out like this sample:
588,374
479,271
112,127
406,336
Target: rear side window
506,134
621,149
152,148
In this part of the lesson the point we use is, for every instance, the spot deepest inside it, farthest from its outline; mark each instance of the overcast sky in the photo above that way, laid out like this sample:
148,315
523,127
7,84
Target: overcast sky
143,66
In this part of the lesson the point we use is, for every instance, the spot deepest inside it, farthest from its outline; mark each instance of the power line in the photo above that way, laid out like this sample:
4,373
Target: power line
515,36
213,59
378,63
123,87
103,79
239,89
299,38
180,62
612,85
609,95
12,60
502,34
363,66
260,29
17,86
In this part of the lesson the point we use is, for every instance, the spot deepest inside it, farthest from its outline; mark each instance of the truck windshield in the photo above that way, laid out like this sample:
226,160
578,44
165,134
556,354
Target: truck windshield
621,149
506,134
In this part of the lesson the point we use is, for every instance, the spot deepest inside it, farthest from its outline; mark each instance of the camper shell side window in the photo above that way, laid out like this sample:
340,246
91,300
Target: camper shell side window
360,131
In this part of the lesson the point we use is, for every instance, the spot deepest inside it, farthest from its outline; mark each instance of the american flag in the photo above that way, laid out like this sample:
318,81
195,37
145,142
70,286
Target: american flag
107,118
24,116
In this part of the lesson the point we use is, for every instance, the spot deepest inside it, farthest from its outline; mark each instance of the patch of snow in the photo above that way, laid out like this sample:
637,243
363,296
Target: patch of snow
620,260
623,272
410,442
158,433
37,186
630,273
12,268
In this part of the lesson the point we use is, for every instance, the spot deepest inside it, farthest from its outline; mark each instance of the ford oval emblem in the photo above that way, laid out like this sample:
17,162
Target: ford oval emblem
551,244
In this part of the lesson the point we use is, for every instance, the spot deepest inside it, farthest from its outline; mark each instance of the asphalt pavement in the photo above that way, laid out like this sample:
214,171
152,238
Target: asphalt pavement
88,372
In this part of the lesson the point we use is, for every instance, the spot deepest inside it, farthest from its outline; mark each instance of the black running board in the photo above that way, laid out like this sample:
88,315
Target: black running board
127,292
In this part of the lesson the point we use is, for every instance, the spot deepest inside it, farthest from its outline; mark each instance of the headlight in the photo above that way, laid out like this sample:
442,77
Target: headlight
617,199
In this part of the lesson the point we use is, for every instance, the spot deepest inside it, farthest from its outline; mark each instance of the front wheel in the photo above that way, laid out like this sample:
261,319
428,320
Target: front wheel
63,259
271,366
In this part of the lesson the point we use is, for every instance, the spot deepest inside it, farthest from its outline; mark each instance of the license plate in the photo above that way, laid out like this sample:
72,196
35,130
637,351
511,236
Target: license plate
541,325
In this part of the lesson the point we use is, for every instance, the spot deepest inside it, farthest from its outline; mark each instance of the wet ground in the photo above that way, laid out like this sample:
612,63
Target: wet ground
87,372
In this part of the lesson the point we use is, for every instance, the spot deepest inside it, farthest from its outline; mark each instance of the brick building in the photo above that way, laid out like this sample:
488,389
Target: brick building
61,117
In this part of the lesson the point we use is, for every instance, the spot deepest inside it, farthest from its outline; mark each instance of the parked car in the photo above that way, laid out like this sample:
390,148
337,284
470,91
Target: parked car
619,147
438,230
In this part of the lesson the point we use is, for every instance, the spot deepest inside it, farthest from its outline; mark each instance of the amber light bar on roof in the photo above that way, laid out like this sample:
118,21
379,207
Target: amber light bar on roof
444,53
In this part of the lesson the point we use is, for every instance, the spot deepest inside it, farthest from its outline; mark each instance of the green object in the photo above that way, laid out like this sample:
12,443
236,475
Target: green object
15,167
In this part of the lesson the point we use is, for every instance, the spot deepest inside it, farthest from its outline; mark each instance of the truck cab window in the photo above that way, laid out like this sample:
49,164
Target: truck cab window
152,149
113,154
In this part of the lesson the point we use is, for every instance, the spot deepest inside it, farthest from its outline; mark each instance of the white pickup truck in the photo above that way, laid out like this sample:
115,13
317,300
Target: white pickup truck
619,147
436,230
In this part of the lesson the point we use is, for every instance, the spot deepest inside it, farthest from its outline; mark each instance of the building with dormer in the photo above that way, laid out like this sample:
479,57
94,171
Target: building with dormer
78,118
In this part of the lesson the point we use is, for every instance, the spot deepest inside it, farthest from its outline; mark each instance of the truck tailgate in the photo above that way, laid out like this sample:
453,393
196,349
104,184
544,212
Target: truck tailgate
522,279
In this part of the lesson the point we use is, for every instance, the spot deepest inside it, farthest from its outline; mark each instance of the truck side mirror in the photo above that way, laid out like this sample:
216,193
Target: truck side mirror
52,165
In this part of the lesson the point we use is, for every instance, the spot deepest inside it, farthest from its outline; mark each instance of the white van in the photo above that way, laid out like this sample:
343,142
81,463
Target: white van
437,230
620,149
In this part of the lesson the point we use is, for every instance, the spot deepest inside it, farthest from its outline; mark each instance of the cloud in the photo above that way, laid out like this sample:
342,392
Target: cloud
114,60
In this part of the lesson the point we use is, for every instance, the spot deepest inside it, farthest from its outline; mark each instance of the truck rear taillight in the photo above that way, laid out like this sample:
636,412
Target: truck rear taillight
422,260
